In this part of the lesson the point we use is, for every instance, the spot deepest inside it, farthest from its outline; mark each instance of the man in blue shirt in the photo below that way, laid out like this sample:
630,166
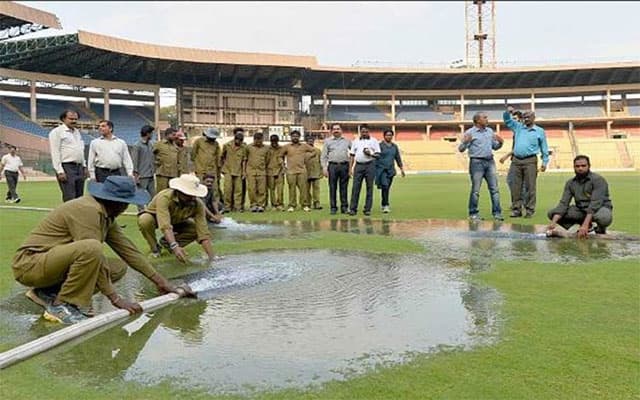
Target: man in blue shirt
528,140
481,140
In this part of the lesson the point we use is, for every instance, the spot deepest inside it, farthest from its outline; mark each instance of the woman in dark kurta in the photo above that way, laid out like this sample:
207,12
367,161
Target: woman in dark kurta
385,168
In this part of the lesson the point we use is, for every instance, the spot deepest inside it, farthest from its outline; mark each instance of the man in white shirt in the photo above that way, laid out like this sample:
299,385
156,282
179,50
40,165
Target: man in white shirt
12,163
67,156
364,152
108,155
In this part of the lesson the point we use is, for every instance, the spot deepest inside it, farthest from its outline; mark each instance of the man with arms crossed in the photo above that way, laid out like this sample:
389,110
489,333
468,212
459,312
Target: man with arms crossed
67,156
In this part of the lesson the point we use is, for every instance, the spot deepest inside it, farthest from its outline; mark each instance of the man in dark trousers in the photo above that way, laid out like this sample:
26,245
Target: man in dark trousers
335,166
67,156
362,167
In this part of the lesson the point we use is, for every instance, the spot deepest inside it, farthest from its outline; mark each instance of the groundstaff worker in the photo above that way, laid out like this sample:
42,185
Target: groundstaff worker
180,216
63,260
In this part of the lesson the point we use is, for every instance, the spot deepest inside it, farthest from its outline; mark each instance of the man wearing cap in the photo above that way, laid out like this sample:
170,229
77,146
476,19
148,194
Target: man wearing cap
180,216
256,173
143,162
232,160
108,155
295,154
67,156
166,159
528,140
63,260
275,173
205,154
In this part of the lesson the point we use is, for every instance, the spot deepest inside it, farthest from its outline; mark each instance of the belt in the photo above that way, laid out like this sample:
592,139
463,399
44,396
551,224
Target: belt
525,157
72,163
363,163
109,169
338,163
481,158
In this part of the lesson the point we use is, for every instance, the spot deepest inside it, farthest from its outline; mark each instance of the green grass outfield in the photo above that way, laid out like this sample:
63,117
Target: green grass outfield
570,331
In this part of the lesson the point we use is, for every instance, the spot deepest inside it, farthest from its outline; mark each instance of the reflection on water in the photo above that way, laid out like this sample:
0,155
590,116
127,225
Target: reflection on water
300,320
295,318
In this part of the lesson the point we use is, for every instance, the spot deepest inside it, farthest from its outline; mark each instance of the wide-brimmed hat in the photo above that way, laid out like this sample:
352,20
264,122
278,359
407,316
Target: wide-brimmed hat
212,133
119,188
189,185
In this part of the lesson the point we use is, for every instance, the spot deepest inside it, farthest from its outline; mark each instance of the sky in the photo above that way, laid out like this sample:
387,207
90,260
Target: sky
367,33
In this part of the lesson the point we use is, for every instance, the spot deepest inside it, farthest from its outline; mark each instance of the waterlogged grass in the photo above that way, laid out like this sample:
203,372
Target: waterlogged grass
569,331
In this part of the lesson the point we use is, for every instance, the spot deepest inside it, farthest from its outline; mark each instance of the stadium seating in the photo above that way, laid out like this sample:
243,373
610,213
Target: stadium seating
493,111
48,109
633,107
12,119
357,113
569,110
602,152
421,113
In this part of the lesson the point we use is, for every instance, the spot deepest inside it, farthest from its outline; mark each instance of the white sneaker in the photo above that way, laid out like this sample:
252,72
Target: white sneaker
307,209
290,209
386,209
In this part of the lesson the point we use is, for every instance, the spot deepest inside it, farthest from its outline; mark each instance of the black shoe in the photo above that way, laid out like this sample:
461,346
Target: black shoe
367,213
515,214
17,200
352,212
528,214
334,212
344,211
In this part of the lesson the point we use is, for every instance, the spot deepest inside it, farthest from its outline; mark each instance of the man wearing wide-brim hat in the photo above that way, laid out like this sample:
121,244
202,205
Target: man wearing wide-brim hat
63,260
179,215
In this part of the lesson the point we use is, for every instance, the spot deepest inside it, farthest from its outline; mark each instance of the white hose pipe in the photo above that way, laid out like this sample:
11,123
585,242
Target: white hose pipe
56,338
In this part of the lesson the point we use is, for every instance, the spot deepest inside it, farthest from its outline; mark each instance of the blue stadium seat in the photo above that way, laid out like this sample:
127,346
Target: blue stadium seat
11,119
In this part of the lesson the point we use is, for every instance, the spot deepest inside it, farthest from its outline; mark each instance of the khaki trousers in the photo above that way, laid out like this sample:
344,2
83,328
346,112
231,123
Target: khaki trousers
313,191
257,188
78,268
233,193
298,181
162,182
275,184
185,232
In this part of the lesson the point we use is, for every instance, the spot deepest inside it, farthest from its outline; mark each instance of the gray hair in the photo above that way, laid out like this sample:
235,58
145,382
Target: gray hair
477,116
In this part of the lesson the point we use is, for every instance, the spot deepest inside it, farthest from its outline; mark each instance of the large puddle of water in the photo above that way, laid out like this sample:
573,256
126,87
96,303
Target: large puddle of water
273,320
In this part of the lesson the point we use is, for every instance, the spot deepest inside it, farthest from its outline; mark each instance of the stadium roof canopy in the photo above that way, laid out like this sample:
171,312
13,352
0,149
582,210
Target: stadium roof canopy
17,19
102,57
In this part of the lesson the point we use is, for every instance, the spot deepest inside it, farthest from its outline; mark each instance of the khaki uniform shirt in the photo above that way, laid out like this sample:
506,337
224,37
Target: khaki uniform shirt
296,155
183,160
205,155
168,211
79,219
275,162
257,158
166,159
232,158
312,163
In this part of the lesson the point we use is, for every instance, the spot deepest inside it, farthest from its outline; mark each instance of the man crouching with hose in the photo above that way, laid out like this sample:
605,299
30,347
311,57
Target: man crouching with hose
63,260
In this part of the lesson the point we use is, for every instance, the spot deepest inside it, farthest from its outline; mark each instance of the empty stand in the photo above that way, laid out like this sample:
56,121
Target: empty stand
127,122
9,117
357,113
569,110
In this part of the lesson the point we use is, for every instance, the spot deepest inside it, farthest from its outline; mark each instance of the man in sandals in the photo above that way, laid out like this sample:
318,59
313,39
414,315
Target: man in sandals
62,259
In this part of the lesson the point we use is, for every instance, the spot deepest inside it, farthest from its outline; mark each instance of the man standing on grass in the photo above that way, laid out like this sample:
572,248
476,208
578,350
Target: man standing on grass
12,163
528,140
62,259
335,166
275,173
108,155
67,156
143,162
166,159
481,140
232,163
295,154
314,174
590,193
362,167
255,171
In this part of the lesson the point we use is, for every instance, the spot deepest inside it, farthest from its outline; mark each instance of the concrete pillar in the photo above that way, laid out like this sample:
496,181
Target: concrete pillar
220,108
106,103
156,111
429,132
33,111
609,123
393,108
608,106
533,102
461,107
194,107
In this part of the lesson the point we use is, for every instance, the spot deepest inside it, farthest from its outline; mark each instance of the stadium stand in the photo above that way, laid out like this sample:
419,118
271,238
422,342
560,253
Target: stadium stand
569,110
493,111
633,108
603,153
420,113
49,109
127,122
13,119
357,113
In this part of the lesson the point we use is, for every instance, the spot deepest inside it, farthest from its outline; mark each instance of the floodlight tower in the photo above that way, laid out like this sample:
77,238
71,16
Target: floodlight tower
480,26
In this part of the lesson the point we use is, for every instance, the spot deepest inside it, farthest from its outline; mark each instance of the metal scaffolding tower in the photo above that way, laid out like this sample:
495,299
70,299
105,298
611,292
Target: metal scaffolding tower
480,27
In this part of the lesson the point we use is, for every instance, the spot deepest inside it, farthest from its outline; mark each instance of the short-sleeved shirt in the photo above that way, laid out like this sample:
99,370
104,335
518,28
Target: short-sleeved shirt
166,154
183,160
232,158
295,156
11,163
79,219
358,146
168,211
312,163
205,155
257,158
335,151
66,145
275,163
